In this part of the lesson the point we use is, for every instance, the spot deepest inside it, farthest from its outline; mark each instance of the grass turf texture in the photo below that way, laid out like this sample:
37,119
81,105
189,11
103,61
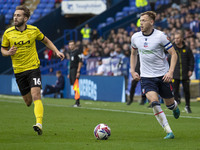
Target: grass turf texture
64,127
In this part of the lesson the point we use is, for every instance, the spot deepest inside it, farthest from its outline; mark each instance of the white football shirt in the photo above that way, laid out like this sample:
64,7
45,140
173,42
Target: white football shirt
153,61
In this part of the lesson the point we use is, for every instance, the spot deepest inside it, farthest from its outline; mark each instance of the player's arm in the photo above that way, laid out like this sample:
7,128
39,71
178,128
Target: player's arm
133,62
79,69
169,75
5,46
51,46
8,52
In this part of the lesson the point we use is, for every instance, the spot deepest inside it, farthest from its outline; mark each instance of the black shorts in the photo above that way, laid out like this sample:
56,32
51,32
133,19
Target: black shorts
28,79
72,75
157,85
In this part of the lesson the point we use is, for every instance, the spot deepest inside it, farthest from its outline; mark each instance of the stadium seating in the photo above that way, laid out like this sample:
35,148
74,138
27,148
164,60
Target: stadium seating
126,9
38,11
8,17
7,8
101,25
132,3
35,16
109,20
31,21
41,6
131,9
13,6
119,15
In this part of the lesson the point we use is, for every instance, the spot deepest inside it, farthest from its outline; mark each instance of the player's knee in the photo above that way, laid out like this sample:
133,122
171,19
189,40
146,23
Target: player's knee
36,97
155,103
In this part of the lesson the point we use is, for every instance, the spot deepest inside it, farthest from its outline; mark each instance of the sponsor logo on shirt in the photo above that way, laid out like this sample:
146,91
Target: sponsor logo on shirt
22,42
145,44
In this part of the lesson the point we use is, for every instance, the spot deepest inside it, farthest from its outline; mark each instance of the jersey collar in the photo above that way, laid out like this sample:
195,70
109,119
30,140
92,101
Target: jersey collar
149,34
19,30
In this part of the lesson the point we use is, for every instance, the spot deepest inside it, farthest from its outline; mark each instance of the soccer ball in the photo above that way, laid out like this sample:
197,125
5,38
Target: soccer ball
102,131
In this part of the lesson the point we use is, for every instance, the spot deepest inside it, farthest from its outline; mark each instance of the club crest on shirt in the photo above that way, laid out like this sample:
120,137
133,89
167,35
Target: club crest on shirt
143,91
29,35
145,44
184,50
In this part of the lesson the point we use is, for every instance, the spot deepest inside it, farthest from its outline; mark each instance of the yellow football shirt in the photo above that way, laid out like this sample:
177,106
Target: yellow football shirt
26,57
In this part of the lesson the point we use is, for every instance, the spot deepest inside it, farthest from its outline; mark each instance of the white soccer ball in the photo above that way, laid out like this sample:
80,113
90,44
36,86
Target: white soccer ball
102,131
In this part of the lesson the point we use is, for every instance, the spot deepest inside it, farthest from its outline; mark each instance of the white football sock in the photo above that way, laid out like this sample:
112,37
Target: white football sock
161,117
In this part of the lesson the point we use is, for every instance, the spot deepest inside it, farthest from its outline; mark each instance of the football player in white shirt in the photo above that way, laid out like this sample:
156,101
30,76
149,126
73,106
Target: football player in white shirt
156,75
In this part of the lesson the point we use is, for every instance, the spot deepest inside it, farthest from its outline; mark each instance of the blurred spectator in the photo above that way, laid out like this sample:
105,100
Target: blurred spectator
152,4
183,70
86,51
57,3
178,17
134,84
118,52
106,52
62,50
126,50
94,35
60,83
195,25
132,28
86,31
2,24
51,72
101,69
193,47
46,56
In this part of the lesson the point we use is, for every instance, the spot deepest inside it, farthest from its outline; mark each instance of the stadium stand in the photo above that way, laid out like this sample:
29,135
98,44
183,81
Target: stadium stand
39,8
165,21
7,7
109,20
43,8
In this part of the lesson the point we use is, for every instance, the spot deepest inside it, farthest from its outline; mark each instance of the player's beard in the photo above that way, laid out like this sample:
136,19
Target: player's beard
19,24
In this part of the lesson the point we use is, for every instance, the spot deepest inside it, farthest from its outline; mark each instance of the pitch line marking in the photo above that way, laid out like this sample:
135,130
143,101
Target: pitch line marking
100,109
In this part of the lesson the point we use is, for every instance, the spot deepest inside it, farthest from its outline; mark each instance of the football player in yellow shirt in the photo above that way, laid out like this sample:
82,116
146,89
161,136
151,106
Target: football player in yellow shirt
19,43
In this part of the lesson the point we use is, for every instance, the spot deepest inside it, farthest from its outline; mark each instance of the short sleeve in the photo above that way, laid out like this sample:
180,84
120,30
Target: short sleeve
133,42
40,35
5,42
165,42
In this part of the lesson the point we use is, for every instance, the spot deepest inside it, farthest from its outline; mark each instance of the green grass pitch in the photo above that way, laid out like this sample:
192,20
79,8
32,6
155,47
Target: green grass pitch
66,128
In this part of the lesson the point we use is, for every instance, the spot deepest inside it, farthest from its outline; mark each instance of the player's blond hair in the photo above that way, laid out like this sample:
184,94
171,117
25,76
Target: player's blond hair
151,14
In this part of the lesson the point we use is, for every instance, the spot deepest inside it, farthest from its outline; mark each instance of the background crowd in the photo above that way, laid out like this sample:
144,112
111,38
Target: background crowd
184,17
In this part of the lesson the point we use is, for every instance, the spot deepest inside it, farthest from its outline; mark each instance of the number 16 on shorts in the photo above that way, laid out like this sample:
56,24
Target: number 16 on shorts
37,81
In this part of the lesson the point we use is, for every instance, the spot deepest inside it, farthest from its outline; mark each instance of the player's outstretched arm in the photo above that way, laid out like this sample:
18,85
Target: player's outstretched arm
169,75
133,61
10,52
51,46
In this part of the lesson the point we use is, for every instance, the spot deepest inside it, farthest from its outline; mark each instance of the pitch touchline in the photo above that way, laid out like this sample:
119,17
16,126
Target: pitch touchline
101,109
